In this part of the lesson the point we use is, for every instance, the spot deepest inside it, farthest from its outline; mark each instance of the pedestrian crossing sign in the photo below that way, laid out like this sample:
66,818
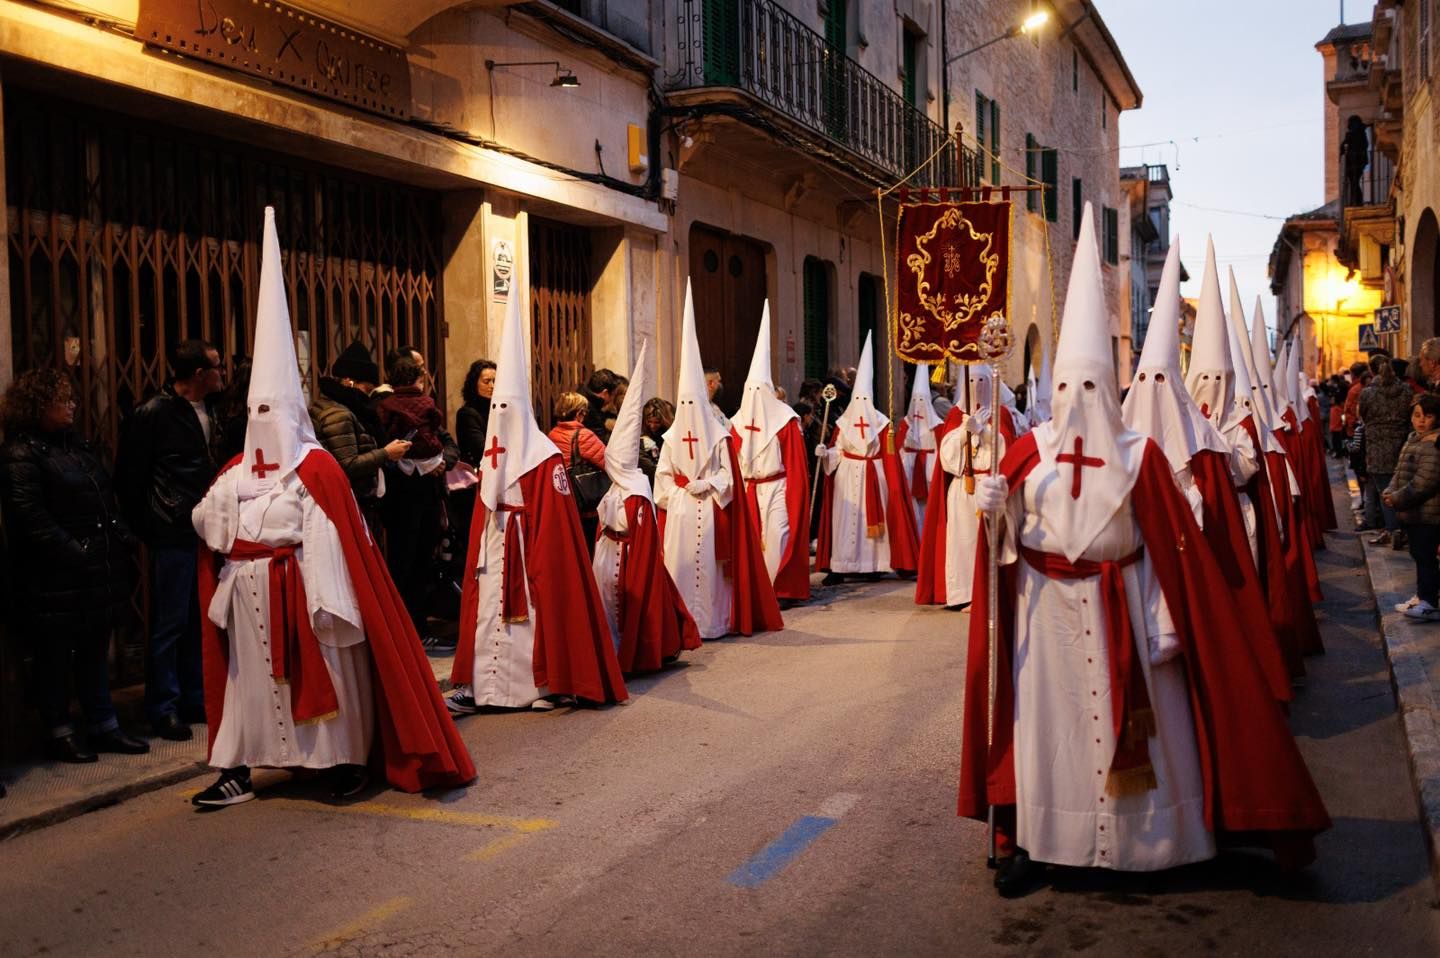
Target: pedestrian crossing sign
1369,341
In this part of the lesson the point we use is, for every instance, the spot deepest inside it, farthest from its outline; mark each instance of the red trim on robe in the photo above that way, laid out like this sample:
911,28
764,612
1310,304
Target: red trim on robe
573,652
904,539
654,623
755,608
1254,778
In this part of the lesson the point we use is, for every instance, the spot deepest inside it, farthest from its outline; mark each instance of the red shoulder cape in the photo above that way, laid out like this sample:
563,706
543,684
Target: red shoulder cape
418,741
792,581
654,623
899,516
1254,777
573,650
1225,531
755,608
1314,443
930,582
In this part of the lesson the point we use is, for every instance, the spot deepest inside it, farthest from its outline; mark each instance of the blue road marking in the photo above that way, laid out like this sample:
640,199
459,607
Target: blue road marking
768,861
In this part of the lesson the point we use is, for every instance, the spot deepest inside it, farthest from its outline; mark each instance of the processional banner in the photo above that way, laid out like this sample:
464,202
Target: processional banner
953,265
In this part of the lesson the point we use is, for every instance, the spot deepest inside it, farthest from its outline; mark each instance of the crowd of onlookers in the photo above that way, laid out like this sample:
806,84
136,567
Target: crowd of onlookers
1382,417
74,520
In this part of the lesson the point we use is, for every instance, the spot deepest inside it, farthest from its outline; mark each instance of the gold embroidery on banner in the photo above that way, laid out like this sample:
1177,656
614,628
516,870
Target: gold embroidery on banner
963,307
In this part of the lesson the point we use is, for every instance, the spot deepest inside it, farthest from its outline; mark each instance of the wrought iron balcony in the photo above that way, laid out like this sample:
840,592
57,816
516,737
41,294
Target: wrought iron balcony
757,47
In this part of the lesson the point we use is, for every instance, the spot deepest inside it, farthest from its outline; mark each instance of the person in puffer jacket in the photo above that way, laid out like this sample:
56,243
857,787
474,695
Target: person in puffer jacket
1412,493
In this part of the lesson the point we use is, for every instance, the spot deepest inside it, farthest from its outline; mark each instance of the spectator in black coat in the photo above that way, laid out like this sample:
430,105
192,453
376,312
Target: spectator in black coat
599,391
72,560
474,415
169,454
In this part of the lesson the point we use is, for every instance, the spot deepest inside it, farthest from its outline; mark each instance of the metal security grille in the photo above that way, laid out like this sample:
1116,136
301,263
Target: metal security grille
126,236
560,312
817,318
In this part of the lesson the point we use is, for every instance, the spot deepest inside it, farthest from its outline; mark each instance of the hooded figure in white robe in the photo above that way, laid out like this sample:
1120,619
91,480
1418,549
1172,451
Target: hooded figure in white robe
918,442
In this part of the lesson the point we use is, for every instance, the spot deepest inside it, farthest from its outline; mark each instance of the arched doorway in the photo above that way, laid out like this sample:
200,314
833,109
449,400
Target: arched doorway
1424,279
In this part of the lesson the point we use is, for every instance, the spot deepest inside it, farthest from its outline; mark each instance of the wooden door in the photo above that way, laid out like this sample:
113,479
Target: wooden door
727,280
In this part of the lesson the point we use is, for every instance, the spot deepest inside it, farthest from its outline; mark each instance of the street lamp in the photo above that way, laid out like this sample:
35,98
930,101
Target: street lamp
563,75
1027,26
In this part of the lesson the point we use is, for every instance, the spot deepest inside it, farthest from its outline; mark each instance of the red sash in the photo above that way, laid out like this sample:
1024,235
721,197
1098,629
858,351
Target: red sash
1132,717
874,505
754,496
722,527
514,603
295,657
919,475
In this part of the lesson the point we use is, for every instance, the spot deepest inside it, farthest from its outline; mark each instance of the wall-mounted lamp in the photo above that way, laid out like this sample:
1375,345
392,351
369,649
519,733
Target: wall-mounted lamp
563,75
1028,26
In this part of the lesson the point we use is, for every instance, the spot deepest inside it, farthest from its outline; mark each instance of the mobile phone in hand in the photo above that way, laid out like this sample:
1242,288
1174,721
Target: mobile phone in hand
409,435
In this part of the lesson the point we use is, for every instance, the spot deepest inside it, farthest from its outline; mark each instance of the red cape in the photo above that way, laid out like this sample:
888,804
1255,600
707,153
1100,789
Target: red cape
1310,474
1225,531
899,517
1314,443
1254,777
418,742
930,581
755,608
573,651
792,580
1290,612
1296,523
654,623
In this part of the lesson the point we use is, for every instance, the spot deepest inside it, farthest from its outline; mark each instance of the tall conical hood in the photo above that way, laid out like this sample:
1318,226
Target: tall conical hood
1086,444
514,443
972,388
1292,381
920,416
1211,377
1261,377
695,432
762,415
861,424
1234,338
1281,392
1039,408
622,452
1260,397
278,433
1157,404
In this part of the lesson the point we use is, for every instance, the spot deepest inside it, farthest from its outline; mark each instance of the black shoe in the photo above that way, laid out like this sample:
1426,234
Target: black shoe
231,788
117,741
833,578
436,645
347,781
171,728
194,716
1017,874
67,748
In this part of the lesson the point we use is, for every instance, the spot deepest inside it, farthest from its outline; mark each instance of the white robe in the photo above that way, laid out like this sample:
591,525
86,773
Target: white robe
1063,729
922,438
257,728
774,516
606,563
851,550
504,673
690,537
962,523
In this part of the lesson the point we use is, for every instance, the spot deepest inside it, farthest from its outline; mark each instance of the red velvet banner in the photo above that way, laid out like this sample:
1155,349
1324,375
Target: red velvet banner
953,265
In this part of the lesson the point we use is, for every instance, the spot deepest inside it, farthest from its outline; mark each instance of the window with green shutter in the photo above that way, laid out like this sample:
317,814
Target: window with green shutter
982,114
1112,236
817,318
995,142
721,20
1077,205
1050,173
1032,199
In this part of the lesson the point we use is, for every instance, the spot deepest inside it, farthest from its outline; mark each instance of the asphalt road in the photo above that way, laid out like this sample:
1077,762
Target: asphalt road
787,794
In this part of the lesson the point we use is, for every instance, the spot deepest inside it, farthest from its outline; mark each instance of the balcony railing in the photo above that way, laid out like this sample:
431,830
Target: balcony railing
760,48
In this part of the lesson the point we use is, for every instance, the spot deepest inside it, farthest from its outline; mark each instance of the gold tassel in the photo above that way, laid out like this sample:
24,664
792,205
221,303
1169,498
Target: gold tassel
512,619
1140,727
320,718
1130,781
875,531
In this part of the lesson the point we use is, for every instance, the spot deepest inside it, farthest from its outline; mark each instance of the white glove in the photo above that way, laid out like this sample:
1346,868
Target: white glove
1163,648
991,493
973,425
821,451
698,487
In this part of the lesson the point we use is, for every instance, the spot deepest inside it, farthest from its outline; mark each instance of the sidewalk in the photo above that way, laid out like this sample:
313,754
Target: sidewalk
1413,649
44,792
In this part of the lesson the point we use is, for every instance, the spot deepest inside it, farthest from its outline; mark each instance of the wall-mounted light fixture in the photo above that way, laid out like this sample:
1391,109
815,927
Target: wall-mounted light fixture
563,75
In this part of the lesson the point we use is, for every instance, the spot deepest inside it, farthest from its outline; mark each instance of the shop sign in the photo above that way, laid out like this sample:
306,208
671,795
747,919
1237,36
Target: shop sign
285,44
1387,319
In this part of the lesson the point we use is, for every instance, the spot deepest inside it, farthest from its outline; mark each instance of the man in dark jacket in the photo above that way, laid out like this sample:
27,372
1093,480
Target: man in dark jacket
349,430
599,392
168,458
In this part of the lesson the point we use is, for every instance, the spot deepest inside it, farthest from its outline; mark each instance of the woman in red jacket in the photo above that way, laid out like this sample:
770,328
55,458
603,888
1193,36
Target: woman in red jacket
578,444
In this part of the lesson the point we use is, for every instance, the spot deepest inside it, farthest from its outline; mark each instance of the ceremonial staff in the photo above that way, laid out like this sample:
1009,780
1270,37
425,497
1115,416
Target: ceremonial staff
828,394
967,471
995,344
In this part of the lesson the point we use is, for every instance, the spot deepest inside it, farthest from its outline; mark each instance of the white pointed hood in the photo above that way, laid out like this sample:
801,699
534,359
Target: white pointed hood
622,452
920,416
1246,376
1284,398
762,415
861,424
1038,410
695,432
278,432
1294,383
1087,428
514,443
1211,376
1157,404
1261,377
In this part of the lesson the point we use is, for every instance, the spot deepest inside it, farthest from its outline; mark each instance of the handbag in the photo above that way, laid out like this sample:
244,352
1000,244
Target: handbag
589,481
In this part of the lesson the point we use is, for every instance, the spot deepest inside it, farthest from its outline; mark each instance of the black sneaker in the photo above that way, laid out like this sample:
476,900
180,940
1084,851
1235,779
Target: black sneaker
231,788
440,645
347,781
461,701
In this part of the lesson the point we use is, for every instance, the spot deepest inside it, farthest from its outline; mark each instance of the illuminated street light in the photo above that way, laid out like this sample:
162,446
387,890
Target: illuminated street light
1029,25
